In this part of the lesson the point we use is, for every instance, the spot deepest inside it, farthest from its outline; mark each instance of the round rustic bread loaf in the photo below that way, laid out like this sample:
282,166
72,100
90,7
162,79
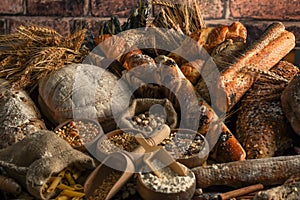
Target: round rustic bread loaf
19,117
82,91
290,100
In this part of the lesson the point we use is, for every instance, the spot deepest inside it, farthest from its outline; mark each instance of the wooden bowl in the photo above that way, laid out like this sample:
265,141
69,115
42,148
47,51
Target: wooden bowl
189,161
100,154
90,146
136,151
200,157
149,194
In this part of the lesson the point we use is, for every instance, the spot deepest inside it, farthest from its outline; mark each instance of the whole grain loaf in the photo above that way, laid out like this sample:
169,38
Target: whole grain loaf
262,127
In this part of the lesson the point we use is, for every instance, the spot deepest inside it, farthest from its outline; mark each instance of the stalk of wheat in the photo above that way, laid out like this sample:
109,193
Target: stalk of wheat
34,52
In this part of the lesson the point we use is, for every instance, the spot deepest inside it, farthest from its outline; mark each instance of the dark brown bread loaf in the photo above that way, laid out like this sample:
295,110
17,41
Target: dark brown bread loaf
262,127
140,65
290,101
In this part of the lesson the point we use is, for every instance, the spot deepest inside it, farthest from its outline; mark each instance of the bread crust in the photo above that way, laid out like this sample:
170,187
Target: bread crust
262,127
267,51
290,101
192,70
196,110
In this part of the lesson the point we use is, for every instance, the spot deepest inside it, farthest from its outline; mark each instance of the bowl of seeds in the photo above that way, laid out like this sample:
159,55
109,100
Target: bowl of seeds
116,141
168,186
124,140
81,134
187,147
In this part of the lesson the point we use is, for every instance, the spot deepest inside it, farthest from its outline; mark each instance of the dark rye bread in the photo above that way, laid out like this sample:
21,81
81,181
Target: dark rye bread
262,127
290,101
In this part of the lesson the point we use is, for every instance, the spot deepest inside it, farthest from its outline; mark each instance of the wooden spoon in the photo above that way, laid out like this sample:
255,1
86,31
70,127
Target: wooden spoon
124,163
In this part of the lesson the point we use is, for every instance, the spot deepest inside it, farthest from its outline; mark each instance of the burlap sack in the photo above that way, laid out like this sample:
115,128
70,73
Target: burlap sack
139,106
19,117
32,161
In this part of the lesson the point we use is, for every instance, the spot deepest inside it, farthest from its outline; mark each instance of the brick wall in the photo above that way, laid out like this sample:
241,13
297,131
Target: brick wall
67,15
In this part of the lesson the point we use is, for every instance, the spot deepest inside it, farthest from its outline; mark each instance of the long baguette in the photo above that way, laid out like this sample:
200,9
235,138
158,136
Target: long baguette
195,112
267,171
235,80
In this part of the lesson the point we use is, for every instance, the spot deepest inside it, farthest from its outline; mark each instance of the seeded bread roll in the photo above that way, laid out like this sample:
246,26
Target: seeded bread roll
217,36
125,58
290,100
139,60
210,37
262,127
237,32
207,39
201,36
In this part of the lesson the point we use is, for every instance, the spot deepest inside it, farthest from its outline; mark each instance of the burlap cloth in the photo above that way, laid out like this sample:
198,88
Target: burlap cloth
32,161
